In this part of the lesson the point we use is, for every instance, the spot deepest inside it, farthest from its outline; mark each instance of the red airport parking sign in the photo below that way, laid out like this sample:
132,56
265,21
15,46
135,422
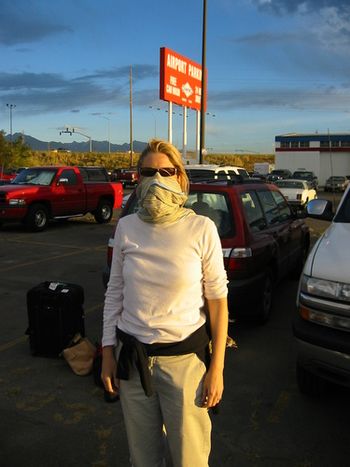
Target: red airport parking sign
180,80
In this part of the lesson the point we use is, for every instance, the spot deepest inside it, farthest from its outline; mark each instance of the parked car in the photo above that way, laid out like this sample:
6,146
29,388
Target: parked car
7,175
126,177
262,239
279,174
297,192
336,183
39,194
258,176
213,171
306,175
322,323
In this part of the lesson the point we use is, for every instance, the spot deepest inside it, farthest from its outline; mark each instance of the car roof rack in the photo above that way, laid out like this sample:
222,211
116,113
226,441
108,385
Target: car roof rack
234,180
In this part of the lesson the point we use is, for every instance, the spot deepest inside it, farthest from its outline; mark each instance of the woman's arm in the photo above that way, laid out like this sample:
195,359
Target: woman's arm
213,386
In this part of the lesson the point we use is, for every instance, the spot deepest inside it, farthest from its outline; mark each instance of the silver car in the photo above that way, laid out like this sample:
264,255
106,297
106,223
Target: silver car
336,183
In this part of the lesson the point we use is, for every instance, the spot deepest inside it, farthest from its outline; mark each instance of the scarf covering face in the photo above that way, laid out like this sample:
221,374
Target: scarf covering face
161,200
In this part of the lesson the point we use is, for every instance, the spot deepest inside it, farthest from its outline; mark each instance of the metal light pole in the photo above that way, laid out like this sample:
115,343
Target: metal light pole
70,131
10,107
131,146
204,85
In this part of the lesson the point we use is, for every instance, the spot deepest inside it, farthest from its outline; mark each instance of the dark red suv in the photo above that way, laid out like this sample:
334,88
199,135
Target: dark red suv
262,239
128,176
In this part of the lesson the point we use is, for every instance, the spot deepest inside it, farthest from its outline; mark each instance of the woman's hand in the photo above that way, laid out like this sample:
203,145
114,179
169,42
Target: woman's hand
109,370
213,387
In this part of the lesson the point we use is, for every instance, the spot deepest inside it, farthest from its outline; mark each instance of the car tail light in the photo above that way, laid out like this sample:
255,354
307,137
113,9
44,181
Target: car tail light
235,259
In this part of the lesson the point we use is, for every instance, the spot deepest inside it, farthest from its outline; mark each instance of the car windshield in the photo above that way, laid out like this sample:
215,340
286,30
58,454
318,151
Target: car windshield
336,179
343,214
289,184
37,176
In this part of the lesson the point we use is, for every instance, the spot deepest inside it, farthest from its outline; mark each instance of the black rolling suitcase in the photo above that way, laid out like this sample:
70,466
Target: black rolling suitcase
55,315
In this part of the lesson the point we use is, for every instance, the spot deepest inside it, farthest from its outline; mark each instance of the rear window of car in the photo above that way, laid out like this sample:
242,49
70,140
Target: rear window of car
253,211
216,207
94,174
195,174
243,172
213,205
302,174
288,184
269,206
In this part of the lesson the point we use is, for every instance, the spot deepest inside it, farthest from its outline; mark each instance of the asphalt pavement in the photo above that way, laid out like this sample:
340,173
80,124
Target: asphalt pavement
50,416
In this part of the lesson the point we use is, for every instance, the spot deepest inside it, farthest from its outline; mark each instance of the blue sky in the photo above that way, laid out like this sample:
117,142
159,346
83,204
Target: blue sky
274,66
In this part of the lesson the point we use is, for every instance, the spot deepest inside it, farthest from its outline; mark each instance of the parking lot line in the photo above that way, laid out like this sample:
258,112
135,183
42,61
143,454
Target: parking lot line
12,343
20,340
49,258
26,242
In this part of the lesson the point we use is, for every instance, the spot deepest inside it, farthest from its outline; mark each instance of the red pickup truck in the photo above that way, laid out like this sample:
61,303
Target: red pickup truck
39,194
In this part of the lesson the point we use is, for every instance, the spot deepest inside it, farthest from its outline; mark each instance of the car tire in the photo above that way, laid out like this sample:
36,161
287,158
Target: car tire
37,218
265,301
298,268
104,211
308,383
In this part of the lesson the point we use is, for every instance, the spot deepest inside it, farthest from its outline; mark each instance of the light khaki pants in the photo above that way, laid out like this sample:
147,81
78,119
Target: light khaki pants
176,405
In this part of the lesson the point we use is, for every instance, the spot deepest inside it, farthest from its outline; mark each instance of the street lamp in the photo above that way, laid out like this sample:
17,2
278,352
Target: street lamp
74,130
10,107
155,118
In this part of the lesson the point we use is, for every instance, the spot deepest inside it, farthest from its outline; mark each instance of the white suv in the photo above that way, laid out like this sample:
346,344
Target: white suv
322,325
212,171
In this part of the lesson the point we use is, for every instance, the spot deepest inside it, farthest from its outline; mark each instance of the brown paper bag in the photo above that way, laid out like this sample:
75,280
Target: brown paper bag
80,355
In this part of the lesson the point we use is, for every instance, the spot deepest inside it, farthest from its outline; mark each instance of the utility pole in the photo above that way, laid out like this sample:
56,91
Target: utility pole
204,85
131,145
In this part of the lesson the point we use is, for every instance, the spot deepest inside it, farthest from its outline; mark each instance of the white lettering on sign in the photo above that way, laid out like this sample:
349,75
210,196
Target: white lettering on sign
198,90
173,80
195,72
172,90
197,99
176,64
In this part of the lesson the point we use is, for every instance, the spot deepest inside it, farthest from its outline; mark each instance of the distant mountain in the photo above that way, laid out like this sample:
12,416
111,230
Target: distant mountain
97,146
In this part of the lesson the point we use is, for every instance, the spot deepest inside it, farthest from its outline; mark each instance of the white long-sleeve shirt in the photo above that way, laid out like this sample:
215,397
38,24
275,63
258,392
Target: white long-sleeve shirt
159,277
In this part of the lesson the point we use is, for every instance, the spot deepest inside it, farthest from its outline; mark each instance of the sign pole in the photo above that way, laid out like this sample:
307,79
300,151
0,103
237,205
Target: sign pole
204,84
170,122
198,135
184,140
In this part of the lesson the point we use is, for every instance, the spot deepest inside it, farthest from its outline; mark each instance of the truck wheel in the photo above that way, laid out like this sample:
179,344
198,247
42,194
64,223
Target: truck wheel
265,304
309,383
37,218
104,211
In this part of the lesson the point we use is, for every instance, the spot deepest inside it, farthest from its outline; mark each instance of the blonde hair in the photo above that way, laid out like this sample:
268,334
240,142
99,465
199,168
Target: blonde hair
164,147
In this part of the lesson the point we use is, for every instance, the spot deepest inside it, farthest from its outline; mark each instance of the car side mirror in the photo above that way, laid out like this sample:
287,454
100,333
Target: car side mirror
62,181
320,209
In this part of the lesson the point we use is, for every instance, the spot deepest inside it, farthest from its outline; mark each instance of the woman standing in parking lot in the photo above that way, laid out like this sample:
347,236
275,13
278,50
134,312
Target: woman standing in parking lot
167,262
